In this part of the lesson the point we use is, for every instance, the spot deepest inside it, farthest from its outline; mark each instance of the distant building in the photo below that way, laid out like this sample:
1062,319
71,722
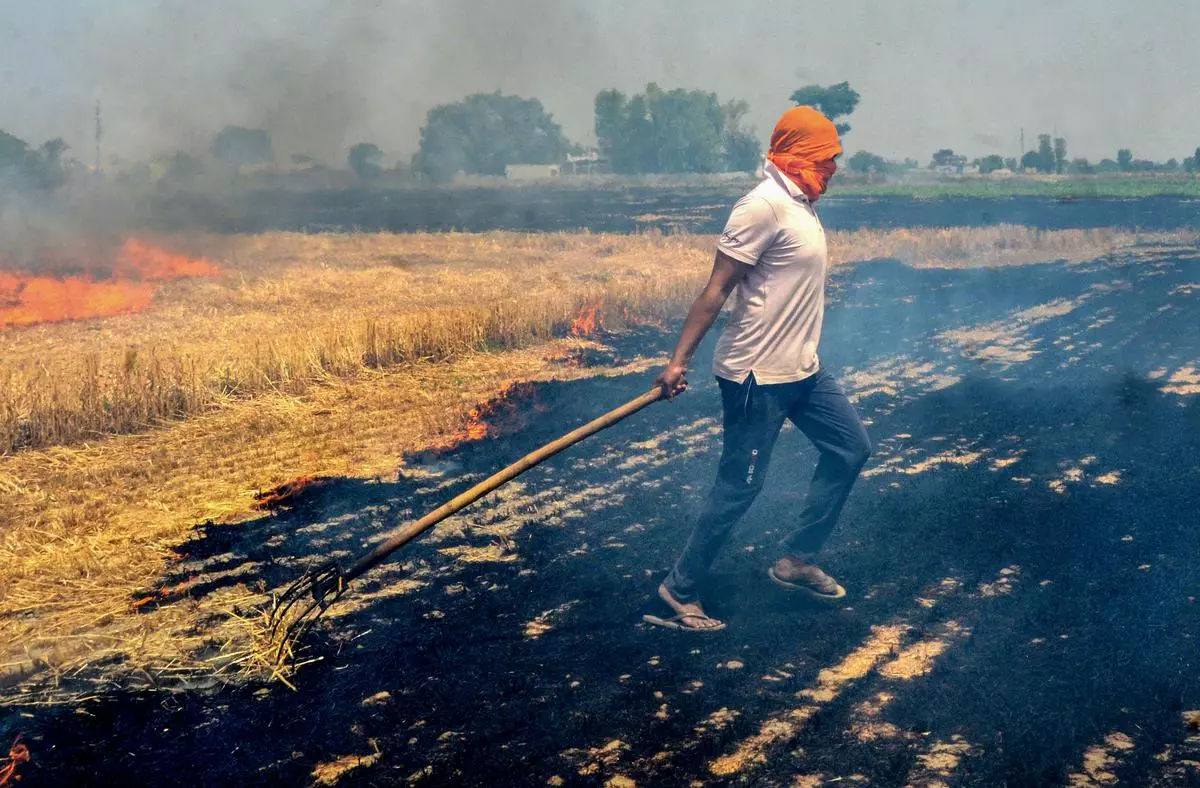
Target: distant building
531,172
587,163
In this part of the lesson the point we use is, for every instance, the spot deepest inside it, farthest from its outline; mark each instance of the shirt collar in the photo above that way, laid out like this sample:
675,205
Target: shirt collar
773,172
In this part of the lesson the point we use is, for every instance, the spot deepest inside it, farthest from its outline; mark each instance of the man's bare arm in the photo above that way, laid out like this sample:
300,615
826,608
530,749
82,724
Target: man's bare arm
726,274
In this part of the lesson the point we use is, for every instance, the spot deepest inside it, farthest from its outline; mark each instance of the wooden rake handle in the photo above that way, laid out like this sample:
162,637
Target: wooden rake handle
415,529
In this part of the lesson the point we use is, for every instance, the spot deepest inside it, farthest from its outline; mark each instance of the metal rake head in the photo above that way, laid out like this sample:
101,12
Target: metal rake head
301,604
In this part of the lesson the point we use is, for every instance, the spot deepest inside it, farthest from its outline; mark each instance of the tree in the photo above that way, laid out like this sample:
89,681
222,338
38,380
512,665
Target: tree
14,157
865,162
1011,164
611,120
52,151
23,167
484,133
673,131
742,149
834,101
945,157
1081,167
687,129
183,168
1043,159
1060,155
1107,165
236,146
364,161
1125,160
49,164
1045,154
991,163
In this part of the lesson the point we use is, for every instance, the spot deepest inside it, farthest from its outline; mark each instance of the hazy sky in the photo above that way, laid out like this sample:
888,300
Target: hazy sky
321,75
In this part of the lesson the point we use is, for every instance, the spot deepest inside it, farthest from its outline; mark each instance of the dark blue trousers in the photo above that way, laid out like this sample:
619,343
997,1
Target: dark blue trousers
754,415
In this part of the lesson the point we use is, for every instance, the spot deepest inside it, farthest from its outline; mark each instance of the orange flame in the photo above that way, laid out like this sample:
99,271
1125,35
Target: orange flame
139,260
588,319
504,413
288,493
27,299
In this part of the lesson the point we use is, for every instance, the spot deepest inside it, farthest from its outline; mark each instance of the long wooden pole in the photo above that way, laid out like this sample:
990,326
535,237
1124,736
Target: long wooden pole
413,530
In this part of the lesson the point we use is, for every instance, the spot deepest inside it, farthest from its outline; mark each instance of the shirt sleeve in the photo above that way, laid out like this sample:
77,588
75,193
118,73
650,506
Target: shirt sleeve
750,231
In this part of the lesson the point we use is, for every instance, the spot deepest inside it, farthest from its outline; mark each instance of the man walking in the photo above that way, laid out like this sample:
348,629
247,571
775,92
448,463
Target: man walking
773,254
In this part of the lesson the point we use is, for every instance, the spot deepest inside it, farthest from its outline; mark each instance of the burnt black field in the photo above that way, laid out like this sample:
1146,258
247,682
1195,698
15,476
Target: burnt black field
622,210
1020,556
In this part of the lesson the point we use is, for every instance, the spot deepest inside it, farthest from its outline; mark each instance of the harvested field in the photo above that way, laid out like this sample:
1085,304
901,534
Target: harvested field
1018,553
690,207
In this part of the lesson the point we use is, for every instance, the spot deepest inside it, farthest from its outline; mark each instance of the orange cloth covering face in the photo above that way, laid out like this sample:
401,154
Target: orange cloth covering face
803,146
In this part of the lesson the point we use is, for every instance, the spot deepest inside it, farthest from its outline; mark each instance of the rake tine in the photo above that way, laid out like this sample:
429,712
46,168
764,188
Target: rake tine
290,597
314,582
328,583
297,628
325,584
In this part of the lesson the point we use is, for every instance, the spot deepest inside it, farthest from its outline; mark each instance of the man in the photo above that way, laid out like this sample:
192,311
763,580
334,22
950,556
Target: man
773,253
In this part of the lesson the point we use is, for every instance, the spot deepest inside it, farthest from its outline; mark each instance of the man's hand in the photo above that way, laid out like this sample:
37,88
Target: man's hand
672,380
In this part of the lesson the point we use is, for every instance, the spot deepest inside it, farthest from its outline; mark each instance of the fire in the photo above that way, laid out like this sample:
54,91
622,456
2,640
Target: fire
477,427
504,413
126,284
289,493
588,319
25,301
140,260
164,594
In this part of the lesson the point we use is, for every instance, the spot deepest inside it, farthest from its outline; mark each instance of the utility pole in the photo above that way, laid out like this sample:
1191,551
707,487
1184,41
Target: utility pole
99,134
1021,152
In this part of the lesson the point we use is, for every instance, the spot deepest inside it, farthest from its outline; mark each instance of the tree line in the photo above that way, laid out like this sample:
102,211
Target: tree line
657,131
25,167
1050,157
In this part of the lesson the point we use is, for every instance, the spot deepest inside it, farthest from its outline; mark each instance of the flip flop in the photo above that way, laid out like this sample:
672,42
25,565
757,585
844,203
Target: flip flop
779,581
676,622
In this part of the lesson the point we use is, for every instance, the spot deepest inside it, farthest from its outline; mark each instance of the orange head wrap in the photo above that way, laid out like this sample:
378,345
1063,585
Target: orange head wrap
803,146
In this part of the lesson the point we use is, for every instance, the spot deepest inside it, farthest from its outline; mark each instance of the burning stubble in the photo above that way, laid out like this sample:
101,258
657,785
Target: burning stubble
910,373
121,282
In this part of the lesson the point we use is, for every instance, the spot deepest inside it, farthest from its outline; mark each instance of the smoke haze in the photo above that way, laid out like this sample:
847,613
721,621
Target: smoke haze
322,75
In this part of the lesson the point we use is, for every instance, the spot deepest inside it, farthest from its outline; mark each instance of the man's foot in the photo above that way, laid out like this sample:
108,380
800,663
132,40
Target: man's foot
688,615
799,575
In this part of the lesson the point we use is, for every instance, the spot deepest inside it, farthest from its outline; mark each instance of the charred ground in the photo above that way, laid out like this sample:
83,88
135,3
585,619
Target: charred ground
1019,557
695,209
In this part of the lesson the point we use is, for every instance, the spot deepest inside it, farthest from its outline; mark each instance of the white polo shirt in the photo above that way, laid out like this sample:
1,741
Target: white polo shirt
775,324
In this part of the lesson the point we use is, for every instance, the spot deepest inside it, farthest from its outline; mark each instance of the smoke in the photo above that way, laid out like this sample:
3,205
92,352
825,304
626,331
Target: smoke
321,75
181,71
318,75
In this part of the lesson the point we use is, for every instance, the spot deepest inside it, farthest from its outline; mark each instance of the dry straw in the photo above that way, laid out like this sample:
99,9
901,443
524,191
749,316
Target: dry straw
309,355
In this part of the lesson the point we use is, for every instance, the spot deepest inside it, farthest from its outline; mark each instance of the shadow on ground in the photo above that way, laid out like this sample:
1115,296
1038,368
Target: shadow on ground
1020,556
